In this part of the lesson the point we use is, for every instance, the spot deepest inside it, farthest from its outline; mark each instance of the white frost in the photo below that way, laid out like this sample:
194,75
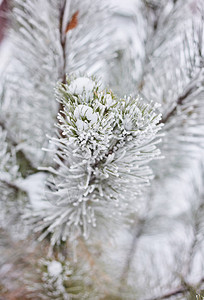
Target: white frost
81,125
109,100
80,85
34,185
87,112
128,125
54,268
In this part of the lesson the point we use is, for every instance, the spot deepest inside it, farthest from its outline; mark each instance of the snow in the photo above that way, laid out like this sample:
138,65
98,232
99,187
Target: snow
34,186
81,125
80,85
128,125
92,117
54,268
109,100
85,111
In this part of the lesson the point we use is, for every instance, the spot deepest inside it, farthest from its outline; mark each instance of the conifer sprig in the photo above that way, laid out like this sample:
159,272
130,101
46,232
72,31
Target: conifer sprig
102,157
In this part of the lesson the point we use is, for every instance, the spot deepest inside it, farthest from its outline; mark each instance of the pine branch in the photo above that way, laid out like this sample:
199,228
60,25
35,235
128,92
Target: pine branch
69,25
177,291
11,185
63,39
102,157
189,91
63,45
63,42
157,35
185,287
190,52
101,136
136,236
180,290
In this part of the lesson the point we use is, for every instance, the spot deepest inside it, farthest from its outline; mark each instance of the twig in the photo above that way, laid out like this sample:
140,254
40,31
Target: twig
63,36
179,101
179,290
176,291
137,234
11,185
69,25
63,43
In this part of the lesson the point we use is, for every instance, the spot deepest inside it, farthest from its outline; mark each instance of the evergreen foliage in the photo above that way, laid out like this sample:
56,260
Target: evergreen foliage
101,151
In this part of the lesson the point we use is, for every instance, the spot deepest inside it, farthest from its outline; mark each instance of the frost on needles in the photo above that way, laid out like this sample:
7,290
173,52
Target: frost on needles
101,153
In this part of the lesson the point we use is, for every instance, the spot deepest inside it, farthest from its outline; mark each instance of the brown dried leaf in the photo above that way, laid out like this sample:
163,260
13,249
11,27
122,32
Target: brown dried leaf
73,22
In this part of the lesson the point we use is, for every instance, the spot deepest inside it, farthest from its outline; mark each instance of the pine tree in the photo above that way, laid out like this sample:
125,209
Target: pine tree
101,168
